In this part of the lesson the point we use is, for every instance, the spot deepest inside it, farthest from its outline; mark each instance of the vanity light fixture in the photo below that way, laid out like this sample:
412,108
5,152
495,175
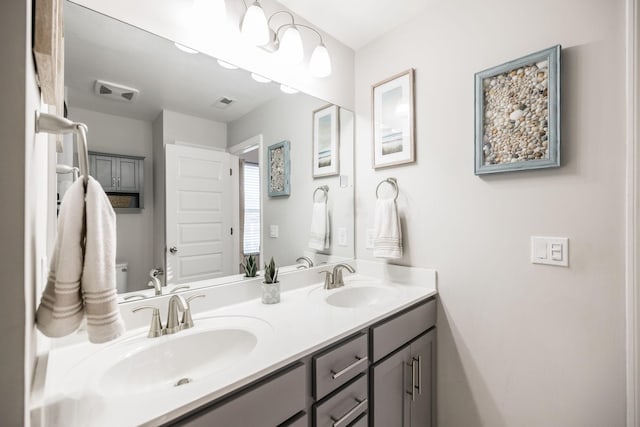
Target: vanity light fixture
226,65
288,89
259,78
185,48
288,45
254,25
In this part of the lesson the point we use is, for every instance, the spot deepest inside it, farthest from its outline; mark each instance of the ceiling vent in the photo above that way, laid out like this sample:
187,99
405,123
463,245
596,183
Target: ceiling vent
223,102
115,91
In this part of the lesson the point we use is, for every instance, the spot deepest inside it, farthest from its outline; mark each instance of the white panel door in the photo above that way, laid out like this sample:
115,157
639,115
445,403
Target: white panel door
198,214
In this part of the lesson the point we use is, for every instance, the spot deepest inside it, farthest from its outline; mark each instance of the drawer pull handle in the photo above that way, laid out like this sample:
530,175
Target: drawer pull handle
359,360
346,417
419,360
413,379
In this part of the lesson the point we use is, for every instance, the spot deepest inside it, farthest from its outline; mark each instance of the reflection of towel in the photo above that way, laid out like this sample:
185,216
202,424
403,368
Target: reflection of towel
319,239
82,271
387,238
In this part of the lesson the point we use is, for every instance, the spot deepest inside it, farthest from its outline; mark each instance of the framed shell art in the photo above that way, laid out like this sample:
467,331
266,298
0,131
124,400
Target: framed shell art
279,170
517,114
393,121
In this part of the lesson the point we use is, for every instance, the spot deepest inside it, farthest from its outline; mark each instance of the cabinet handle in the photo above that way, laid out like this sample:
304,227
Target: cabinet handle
413,379
118,182
343,419
419,374
359,360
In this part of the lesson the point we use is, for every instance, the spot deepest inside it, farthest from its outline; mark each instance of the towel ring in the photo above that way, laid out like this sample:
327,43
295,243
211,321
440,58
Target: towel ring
391,181
324,189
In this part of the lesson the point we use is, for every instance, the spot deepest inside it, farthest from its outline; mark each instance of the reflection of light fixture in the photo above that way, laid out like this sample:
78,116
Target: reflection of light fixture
402,110
288,89
259,78
254,25
226,65
185,49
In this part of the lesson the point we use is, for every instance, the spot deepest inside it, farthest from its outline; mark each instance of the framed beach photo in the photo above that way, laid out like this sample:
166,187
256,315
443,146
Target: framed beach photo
393,121
278,183
517,114
326,141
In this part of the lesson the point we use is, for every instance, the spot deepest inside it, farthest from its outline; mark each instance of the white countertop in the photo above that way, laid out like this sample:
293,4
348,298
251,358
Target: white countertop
299,325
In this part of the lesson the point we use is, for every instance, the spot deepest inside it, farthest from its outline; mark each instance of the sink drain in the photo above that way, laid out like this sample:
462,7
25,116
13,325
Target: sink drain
183,381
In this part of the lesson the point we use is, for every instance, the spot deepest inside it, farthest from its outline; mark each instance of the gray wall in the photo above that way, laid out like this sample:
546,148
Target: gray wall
121,135
24,187
518,344
290,118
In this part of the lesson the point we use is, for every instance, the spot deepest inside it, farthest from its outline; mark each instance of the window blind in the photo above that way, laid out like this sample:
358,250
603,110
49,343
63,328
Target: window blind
251,177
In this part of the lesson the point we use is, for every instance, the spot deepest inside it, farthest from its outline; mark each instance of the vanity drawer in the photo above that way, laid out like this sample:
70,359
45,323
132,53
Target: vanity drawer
343,407
338,365
402,328
299,420
268,403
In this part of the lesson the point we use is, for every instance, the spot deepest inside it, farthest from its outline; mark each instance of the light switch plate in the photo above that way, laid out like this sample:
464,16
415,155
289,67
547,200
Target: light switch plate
550,250
370,237
342,236
273,231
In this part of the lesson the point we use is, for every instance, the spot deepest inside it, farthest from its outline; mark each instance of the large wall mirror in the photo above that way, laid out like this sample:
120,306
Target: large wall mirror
187,146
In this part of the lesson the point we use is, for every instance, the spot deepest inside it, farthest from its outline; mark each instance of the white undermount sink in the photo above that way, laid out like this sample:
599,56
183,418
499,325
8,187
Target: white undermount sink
141,365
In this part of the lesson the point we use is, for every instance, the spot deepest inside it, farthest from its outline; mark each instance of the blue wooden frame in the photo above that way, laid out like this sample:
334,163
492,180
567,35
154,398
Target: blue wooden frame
552,55
286,169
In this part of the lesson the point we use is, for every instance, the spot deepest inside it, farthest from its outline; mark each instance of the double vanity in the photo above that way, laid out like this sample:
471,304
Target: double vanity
356,355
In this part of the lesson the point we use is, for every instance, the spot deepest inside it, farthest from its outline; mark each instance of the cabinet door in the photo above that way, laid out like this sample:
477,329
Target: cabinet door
423,355
127,175
103,169
391,382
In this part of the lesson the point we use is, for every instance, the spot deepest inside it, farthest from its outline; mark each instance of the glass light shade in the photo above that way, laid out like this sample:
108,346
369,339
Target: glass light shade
320,63
259,78
254,25
291,50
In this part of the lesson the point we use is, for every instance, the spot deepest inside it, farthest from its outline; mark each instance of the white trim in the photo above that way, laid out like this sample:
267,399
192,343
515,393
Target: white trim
632,218
242,148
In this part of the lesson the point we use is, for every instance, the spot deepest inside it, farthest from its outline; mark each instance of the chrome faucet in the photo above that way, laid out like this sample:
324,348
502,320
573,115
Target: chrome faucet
334,279
155,282
338,281
307,259
176,302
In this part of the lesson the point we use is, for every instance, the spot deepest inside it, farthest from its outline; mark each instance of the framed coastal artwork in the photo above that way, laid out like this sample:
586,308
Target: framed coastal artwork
326,141
279,169
517,114
393,121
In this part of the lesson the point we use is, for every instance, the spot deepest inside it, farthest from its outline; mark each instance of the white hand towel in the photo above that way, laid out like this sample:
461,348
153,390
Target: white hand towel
104,322
320,239
82,271
387,239
61,307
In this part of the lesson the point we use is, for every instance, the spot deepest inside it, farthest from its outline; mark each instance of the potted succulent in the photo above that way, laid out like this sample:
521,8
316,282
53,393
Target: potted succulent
270,286
250,266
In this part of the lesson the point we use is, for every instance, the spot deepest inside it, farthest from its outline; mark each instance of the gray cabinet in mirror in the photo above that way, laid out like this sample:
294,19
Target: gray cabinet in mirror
144,98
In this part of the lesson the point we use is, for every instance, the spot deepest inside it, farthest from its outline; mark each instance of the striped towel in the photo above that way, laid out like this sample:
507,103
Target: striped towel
82,271
387,239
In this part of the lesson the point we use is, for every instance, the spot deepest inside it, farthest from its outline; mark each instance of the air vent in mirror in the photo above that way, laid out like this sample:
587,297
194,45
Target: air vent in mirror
115,91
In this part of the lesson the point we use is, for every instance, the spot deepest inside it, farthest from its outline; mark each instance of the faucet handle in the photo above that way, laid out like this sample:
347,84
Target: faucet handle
155,328
187,320
179,288
328,279
130,297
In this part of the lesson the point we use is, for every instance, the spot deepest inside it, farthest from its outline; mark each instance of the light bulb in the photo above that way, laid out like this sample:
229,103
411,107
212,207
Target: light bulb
290,49
320,63
254,25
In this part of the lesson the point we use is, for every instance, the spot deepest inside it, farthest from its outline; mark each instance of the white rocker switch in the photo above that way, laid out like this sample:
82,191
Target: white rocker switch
550,250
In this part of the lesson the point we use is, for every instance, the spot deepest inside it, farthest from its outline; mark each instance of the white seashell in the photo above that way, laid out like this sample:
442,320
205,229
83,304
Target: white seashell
542,64
516,115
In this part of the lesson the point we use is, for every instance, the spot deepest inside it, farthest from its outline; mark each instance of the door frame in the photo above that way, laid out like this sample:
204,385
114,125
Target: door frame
237,150
632,222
